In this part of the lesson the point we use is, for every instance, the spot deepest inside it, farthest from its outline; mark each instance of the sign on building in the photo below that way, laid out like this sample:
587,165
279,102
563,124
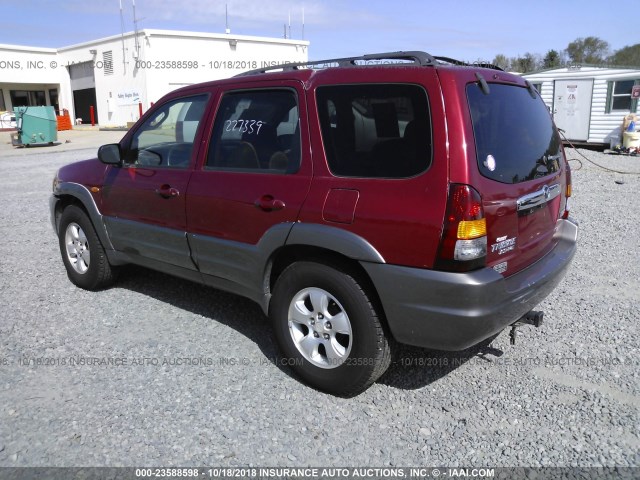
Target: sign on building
129,96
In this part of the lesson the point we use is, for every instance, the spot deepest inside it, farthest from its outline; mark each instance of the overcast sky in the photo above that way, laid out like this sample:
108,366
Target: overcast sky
466,30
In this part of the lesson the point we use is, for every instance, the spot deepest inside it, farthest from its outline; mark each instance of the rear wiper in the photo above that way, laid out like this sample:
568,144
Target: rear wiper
541,170
548,160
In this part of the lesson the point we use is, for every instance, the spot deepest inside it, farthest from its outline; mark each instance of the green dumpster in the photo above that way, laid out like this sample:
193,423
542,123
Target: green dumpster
35,125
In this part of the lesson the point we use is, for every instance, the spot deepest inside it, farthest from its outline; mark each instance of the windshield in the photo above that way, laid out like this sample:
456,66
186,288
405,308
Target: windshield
515,137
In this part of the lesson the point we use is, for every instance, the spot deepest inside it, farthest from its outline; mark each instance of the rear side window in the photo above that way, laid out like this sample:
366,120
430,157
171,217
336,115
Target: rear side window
375,130
515,137
256,131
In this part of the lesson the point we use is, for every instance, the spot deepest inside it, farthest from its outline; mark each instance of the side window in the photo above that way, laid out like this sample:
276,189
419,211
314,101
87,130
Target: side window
619,96
256,131
166,138
375,130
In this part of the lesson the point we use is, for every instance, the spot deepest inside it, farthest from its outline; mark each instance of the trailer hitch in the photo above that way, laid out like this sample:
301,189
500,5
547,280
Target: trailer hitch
532,318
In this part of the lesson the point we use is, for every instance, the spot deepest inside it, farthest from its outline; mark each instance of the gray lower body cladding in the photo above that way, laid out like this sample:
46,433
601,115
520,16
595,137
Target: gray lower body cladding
453,311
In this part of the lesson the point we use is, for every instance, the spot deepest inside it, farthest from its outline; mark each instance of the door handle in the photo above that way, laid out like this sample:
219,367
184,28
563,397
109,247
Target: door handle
167,191
267,203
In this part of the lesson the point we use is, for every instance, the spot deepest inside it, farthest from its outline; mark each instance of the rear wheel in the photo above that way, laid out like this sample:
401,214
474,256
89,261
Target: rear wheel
328,328
82,253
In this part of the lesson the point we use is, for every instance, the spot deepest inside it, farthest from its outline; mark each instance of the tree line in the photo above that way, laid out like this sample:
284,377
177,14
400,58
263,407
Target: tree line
589,50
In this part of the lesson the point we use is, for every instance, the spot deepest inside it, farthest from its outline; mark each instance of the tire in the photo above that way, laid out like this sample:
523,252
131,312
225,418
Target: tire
328,329
82,253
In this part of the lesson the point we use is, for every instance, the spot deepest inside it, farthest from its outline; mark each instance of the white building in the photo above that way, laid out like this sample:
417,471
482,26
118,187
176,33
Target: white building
116,75
589,103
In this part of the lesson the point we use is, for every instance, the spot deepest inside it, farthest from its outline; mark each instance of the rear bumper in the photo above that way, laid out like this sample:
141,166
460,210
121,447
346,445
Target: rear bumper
453,311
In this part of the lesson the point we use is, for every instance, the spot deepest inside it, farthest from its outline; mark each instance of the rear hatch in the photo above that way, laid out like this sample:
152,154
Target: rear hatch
523,180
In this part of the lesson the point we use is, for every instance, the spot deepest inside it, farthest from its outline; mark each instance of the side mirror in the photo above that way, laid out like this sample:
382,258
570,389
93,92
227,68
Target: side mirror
110,154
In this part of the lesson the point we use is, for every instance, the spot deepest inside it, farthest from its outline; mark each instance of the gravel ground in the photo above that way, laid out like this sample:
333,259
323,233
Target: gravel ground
567,394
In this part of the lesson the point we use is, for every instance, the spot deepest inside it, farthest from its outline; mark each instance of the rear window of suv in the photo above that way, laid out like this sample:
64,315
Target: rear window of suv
375,130
515,137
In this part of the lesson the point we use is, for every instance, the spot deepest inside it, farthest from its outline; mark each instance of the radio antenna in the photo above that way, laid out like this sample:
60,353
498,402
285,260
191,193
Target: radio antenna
124,55
136,55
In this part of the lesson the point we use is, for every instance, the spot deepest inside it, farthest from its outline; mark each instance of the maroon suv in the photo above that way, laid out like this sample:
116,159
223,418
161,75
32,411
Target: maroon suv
387,196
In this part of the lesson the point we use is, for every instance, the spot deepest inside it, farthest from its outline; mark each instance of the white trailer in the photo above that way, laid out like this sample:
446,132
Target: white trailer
589,102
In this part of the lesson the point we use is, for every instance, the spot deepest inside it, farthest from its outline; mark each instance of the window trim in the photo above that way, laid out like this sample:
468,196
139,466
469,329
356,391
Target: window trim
377,84
255,171
633,105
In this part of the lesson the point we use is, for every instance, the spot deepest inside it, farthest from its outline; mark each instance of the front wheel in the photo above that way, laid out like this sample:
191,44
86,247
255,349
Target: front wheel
82,253
328,328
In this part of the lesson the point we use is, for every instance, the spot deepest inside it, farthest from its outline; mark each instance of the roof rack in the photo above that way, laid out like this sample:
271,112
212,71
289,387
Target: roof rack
415,58
411,58
459,63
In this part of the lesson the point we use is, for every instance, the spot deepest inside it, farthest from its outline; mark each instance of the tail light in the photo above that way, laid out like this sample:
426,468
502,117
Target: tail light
463,245
568,191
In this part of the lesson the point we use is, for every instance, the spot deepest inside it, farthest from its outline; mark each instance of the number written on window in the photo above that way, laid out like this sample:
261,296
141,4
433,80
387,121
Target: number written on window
244,126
